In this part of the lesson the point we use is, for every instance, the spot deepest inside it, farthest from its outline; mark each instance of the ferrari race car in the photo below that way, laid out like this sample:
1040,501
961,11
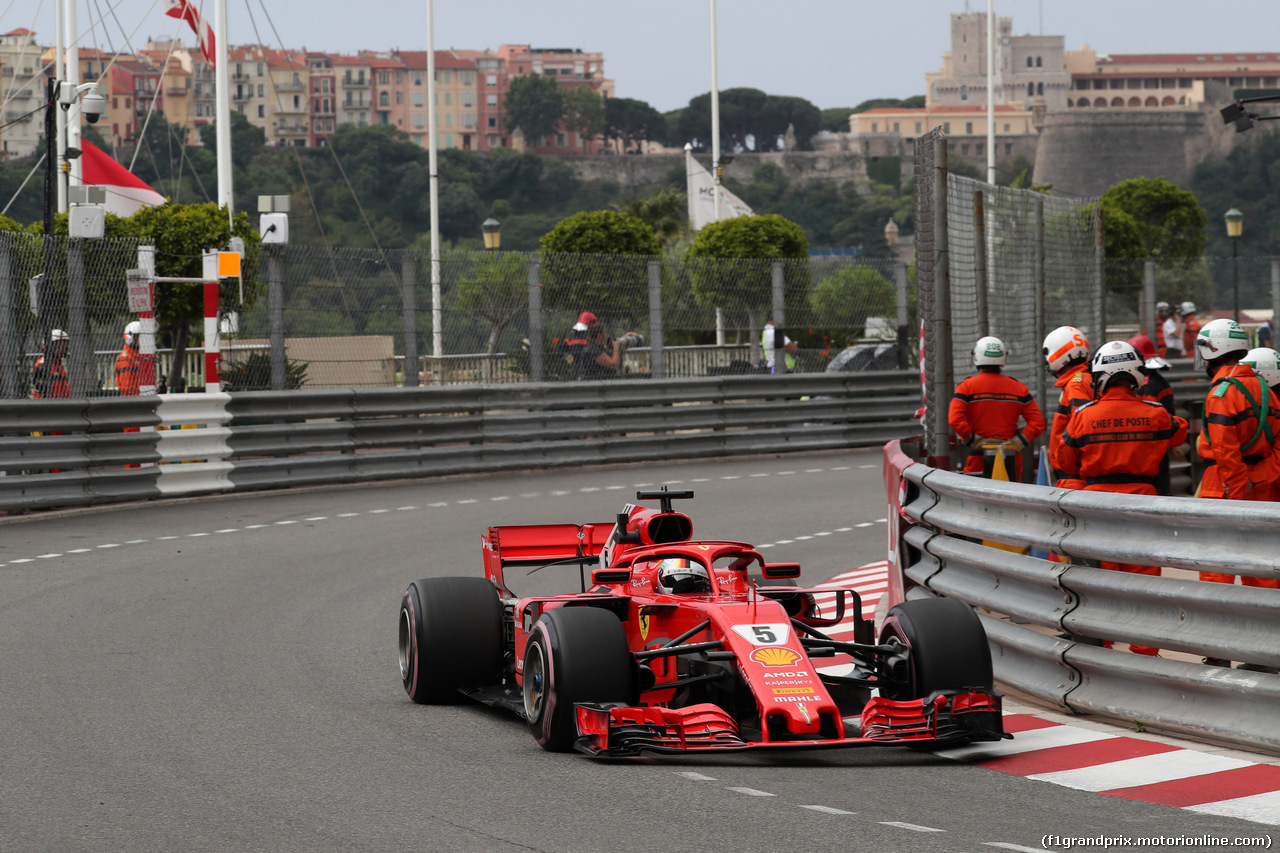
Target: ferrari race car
683,645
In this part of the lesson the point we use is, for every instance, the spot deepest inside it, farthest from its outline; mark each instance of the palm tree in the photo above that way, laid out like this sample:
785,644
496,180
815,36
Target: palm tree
666,211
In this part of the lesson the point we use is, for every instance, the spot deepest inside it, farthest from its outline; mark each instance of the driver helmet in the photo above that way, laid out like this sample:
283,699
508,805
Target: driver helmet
989,351
682,575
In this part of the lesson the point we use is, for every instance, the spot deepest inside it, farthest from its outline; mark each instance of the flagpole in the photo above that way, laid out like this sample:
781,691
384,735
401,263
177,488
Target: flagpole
437,334
73,80
59,73
715,113
991,91
222,106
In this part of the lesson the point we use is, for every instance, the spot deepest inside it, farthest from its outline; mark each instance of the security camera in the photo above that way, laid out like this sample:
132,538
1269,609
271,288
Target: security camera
93,106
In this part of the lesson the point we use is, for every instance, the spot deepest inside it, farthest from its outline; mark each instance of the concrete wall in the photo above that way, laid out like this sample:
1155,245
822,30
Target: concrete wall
641,173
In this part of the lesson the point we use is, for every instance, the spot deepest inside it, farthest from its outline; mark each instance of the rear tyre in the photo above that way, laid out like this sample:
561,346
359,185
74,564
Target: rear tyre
450,636
574,654
945,646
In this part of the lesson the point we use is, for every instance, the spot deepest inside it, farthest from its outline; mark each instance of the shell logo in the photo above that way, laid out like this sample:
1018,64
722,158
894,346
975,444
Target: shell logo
775,656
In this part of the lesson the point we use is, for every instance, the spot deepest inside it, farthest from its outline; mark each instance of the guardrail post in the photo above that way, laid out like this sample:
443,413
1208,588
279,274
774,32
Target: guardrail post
779,318
275,315
941,375
1042,386
535,320
409,304
78,348
8,331
1147,310
1100,261
904,316
657,367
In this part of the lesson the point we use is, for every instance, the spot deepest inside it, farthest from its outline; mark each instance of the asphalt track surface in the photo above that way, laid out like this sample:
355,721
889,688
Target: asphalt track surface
220,675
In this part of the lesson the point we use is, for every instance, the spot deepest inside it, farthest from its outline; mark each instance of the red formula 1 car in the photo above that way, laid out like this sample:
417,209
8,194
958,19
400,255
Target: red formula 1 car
684,645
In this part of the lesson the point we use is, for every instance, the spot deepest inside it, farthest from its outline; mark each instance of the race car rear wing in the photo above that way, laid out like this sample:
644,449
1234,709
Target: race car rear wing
539,544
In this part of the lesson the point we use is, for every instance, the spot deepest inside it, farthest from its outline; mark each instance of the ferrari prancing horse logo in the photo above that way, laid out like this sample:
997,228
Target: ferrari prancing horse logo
644,626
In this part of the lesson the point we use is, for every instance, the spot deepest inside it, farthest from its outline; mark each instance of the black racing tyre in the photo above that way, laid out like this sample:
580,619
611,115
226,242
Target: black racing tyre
574,654
450,636
946,648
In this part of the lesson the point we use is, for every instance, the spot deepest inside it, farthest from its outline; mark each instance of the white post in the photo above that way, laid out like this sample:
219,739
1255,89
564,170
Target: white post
437,334
73,80
222,105
715,113
60,73
991,92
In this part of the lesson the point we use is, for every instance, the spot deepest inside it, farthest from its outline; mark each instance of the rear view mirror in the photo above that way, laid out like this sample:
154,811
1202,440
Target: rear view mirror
776,571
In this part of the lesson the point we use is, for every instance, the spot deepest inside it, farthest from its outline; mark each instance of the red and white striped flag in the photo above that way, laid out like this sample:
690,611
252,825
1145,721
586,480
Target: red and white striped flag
126,193
187,11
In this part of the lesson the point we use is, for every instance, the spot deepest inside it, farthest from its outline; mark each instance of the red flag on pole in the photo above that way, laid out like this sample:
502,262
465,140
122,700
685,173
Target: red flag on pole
126,192
185,10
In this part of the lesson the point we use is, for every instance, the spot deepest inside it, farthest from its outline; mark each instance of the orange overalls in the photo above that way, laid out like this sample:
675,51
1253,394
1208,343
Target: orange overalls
50,381
990,404
1116,444
1077,389
1237,449
1190,331
128,371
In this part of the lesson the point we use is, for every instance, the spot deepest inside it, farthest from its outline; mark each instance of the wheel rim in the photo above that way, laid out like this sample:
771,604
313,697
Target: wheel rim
535,679
406,644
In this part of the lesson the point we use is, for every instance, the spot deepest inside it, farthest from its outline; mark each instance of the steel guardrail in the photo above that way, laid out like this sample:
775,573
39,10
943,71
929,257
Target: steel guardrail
1046,618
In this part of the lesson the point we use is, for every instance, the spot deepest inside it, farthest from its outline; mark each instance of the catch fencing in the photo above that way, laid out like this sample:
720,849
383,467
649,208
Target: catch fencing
1046,620
76,452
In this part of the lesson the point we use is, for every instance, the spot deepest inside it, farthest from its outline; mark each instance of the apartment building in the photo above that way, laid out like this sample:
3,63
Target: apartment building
250,93
135,90
570,67
22,85
289,84
455,106
324,98
1164,80
352,75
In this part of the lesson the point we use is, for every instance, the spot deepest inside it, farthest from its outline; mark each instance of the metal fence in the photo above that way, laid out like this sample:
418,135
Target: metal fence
998,261
357,318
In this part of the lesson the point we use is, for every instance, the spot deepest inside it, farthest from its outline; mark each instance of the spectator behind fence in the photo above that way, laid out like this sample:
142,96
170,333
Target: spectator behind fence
770,355
1171,333
1115,442
49,374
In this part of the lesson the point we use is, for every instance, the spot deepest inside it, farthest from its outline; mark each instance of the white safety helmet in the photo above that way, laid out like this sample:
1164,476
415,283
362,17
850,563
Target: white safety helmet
59,335
1065,346
989,351
1219,338
1113,359
1162,308
1187,308
682,575
1266,363
131,333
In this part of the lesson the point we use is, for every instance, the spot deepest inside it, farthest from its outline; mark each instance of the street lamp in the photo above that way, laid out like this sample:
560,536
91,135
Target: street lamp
1235,226
492,229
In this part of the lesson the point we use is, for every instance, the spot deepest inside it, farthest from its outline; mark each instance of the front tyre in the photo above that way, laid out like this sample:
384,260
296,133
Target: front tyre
945,647
574,654
450,636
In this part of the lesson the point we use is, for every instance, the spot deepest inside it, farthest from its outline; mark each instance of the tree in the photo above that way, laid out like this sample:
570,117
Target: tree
847,297
584,112
495,289
665,210
632,122
751,120
914,102
747,287
836,119
535,105
1150,217
590,261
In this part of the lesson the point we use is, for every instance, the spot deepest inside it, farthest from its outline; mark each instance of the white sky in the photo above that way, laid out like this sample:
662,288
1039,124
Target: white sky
835,53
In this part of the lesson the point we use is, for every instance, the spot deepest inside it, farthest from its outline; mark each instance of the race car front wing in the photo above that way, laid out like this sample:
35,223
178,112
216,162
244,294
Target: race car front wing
947,716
